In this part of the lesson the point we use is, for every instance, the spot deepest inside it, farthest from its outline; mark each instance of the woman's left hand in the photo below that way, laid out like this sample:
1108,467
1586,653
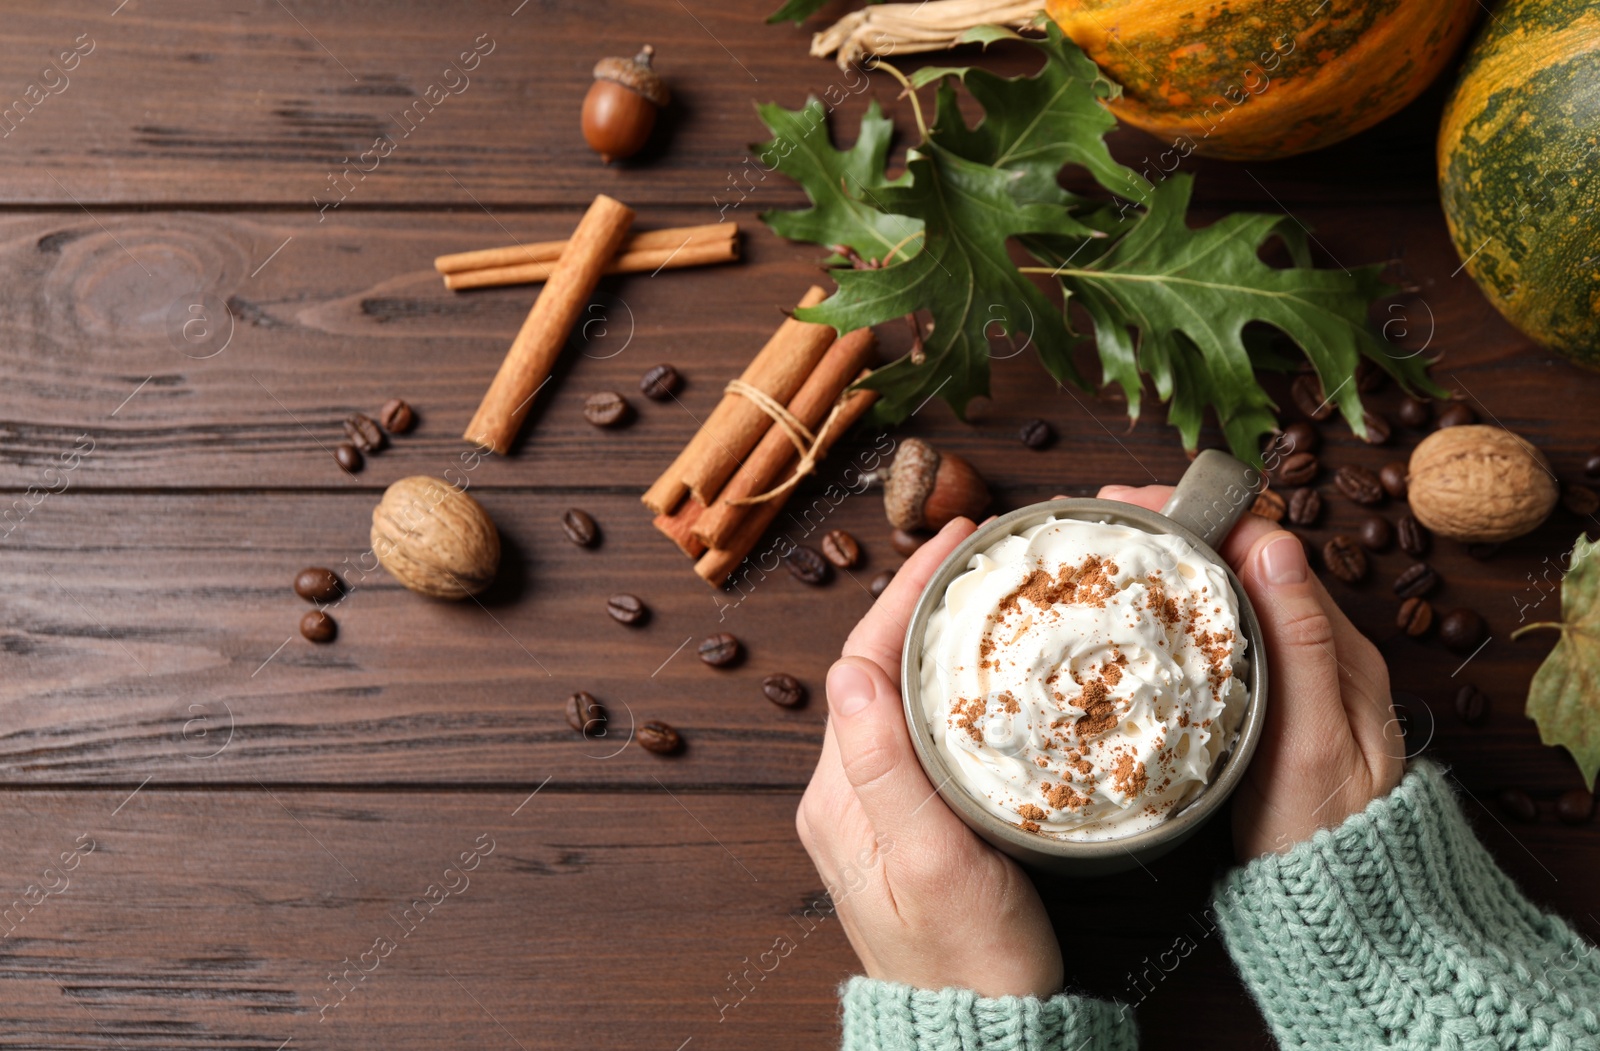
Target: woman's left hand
922,899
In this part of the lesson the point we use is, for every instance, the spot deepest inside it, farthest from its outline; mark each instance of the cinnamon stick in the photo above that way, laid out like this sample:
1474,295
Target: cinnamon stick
679,527
533,353
774,456
628,261
717,563
550,251
737,424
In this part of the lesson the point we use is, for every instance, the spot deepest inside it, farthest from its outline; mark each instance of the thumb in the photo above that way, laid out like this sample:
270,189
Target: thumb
876,753
1299,639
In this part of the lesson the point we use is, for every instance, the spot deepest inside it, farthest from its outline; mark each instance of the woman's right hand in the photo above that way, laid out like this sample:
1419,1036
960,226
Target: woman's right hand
1332,743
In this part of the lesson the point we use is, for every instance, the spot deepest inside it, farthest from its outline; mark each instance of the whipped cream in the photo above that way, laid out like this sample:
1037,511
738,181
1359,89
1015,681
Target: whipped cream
1082,678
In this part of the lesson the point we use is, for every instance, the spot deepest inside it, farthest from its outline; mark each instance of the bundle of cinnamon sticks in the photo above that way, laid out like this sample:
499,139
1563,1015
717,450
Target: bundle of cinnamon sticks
772,425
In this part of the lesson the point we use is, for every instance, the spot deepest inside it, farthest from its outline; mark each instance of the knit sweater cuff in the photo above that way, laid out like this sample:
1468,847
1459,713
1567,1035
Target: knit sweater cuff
1397,929
888,1016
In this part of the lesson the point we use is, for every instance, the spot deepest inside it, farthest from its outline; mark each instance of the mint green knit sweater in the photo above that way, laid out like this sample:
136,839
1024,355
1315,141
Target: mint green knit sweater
1394,930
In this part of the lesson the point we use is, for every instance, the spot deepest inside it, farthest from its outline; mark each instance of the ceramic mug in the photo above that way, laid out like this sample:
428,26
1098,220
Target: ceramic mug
1213,493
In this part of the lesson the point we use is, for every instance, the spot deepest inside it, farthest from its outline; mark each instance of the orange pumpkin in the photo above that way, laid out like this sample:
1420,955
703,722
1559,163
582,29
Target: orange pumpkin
1260,79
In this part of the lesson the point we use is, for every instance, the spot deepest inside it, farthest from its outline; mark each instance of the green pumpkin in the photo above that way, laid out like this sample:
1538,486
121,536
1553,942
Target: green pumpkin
1519,170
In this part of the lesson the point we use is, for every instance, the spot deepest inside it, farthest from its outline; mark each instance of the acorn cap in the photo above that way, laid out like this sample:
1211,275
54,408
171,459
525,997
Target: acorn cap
916,465
635,74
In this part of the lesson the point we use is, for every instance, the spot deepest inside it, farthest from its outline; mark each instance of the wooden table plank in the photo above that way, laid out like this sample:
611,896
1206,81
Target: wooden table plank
346,316
179,104
141,629
204,920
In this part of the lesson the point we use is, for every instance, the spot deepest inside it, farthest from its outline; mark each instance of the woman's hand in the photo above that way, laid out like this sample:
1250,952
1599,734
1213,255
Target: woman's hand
923,900
1332,743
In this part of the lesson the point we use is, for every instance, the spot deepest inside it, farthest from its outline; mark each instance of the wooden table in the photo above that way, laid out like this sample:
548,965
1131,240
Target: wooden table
262,811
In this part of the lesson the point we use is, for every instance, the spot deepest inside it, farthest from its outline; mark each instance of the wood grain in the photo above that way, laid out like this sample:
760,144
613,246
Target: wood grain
213,919
346,316
273,102
142,628
261,808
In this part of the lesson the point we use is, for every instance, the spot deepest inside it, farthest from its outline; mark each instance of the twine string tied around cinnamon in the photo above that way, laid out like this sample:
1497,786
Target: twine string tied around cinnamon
807,444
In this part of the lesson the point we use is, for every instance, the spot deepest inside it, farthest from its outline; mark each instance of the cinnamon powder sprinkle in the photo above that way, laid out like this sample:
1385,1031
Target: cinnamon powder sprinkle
1088,584
1128,775
1099,710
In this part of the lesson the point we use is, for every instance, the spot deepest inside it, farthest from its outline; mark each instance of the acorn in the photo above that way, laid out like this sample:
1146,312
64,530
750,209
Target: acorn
620,109
927,489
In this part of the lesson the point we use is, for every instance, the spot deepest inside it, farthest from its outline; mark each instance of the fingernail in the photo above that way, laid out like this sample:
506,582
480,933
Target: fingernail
1107,492
849,689
1284,561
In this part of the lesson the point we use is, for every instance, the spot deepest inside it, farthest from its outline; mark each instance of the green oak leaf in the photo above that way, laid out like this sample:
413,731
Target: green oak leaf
1174,302
1195,311
962,274
1038,123
1564,696
843,185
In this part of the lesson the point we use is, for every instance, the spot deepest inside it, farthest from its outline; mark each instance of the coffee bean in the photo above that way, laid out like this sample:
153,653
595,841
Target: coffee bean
1359,484
1519,805
880,583
1297,437
1393,479
1036,434
719,650
806,565
1376,533
348,457
363,432
1296,469
1345,559
1575,806
606,408
318,626
579,527
783,690
1591,466
1415,580
1378,429
1306,393
660,383
656,736
1305,507
1305,437
396,416
1472,705
317,584
1456,414
841,549
1462,630
586,715
627,609
1413,535
907,543
1483,550
1269,505
1414,412
1580,500
1415,617
1370,376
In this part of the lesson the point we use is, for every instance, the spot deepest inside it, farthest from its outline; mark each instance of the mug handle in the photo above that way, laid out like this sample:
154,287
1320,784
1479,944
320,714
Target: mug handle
1212,494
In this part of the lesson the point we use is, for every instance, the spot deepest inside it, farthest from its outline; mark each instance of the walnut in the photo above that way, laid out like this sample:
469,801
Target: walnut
435,539
1480,484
